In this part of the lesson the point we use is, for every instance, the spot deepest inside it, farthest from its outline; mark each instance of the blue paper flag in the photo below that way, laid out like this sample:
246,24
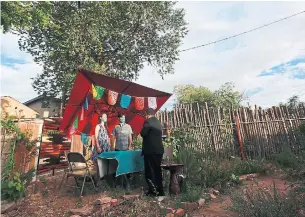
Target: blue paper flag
84,138
86,104
125,101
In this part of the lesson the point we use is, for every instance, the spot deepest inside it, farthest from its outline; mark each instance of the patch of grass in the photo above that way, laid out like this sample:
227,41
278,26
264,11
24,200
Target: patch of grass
114,192
191,194
263,203
289,160
291,163
240,167
206,172
178,204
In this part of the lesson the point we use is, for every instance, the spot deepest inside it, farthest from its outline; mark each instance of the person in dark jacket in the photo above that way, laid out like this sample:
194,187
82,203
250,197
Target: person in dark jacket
153,150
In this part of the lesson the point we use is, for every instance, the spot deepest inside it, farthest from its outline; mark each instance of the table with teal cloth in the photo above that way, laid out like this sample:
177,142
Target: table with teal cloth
120,162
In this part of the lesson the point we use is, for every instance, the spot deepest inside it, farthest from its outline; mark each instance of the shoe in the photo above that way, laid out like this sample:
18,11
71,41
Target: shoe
149,193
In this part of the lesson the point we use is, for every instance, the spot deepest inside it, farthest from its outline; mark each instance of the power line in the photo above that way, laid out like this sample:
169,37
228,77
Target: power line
296,94
242,33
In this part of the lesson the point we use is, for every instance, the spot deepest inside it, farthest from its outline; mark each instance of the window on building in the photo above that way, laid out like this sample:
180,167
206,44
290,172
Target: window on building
45,103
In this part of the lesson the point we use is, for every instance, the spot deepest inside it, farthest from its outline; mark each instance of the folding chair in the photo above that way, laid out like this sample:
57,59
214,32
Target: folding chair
77,172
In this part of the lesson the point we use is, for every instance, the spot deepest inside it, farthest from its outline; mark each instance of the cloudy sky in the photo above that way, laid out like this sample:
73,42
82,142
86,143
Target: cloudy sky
268,64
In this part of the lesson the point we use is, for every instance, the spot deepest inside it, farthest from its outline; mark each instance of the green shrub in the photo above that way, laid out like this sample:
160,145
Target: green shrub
12,187
137,142
241,167
191,194
13,180
288,160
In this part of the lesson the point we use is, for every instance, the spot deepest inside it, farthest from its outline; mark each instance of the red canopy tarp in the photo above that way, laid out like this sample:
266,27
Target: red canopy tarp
82,90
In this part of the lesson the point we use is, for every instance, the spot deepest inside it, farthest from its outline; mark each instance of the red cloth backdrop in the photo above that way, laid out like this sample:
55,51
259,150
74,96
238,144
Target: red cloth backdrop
82,89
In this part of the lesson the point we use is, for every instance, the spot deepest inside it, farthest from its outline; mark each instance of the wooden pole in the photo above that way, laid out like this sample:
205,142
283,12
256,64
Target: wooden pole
239,138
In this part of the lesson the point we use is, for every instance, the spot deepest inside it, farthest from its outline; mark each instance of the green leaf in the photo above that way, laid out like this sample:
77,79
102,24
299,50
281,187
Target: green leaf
11,184
18,187
114,38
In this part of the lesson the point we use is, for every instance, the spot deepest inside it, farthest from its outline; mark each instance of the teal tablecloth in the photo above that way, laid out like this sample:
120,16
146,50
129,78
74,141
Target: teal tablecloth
128,161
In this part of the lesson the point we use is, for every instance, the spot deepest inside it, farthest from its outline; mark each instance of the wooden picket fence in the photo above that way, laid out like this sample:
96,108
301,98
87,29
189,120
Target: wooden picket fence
245,132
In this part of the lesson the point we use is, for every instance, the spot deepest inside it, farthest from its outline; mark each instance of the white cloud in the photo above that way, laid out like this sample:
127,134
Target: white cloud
247,56
239,60
16,82
10,47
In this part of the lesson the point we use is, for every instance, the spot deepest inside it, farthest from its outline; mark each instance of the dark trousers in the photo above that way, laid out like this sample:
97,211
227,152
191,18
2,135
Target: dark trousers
153,173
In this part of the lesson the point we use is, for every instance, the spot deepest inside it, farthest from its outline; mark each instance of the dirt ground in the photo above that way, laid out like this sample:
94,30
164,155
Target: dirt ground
219,206
47,200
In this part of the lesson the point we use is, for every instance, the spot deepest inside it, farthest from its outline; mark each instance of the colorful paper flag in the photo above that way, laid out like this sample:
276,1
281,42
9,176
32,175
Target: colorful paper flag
72,130
86,104
152,102
82,113
75,123
84,138
125,101
94,92
139,103
100,92
112,97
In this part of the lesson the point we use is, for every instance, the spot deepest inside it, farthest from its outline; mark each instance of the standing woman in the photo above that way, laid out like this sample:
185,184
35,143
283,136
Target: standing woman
102,143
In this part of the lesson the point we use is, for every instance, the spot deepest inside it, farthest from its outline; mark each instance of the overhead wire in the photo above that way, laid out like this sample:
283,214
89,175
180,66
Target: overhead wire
242,33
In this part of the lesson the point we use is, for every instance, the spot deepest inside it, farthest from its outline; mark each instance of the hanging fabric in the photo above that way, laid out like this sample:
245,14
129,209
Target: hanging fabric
100,92
94,92
82,113
139,103
125,101
84,138
86,104
112,97
75,123
152,102
72,130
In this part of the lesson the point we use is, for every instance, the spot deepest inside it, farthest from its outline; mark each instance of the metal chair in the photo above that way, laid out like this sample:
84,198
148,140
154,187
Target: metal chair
77,172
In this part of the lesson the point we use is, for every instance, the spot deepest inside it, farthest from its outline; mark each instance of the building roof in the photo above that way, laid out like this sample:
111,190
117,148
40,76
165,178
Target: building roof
11,106
37,99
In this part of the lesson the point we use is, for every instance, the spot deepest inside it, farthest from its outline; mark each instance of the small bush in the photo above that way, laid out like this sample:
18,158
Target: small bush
14,180
263,203
241,167
191,194
137,142
289,160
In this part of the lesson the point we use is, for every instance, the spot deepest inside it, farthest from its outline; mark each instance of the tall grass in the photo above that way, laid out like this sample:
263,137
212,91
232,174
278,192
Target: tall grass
289,160
207,173
263,203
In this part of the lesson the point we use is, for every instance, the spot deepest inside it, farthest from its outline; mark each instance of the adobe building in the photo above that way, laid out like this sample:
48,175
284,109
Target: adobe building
12,107
45,106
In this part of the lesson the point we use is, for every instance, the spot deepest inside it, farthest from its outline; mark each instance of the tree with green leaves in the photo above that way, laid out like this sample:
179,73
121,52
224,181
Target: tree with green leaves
293,103
226,96
113,38
190,93
16,15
